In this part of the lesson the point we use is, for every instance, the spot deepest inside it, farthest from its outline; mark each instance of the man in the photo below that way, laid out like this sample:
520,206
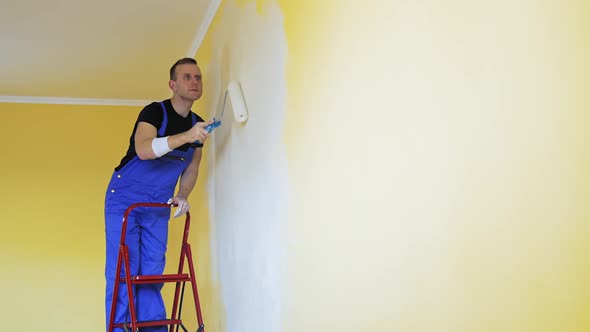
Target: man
162,149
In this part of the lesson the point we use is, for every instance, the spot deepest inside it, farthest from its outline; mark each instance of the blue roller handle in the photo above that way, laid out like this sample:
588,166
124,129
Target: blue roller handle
209,128
215,124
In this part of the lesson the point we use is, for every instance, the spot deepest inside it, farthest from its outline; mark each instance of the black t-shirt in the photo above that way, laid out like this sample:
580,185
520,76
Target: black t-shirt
154,115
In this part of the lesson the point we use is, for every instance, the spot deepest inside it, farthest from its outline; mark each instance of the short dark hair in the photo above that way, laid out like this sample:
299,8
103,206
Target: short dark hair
180,62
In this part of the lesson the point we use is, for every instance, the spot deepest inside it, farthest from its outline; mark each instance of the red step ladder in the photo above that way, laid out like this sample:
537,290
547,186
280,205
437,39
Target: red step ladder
179,278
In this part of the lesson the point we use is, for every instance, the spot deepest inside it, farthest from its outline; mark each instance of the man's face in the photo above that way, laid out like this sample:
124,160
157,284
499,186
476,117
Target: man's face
188,83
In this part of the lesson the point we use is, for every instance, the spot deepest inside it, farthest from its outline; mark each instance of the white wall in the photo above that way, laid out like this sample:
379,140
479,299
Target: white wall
248,184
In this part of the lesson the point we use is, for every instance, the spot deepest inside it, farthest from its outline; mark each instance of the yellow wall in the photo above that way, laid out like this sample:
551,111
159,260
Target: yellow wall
438,152
437,162
56,165
56,162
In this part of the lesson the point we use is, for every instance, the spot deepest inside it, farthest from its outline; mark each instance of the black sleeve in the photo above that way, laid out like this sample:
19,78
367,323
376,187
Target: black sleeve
152,114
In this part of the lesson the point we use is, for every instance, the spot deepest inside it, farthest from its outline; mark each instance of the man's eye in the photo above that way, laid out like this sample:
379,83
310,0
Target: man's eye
187,77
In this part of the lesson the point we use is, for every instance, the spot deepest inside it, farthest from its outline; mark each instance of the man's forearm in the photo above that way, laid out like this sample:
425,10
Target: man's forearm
177,140
187,183
190,175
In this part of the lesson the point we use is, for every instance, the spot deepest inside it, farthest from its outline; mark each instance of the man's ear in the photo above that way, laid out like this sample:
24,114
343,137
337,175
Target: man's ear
172,85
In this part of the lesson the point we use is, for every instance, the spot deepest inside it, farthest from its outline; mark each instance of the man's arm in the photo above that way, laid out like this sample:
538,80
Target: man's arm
188,179
146,133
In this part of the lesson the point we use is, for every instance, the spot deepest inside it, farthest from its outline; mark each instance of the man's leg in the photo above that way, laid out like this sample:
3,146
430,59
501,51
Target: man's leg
154,238
113,224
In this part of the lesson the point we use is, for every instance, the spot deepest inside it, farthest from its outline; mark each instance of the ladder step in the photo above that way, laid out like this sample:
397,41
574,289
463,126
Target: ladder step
151,323
159,278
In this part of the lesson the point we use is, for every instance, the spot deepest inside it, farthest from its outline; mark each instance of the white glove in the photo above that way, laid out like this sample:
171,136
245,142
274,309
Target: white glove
182,203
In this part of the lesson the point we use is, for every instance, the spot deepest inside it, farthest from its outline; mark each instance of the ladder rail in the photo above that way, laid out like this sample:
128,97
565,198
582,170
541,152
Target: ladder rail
175,302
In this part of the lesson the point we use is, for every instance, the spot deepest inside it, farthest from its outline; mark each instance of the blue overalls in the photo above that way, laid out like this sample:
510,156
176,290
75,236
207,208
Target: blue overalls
147,230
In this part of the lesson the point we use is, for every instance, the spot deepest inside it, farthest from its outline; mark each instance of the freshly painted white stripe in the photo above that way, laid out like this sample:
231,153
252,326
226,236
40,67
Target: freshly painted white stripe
248,168
72,101
203,28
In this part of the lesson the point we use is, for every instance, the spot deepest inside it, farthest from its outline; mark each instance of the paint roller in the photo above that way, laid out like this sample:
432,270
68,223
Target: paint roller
238,105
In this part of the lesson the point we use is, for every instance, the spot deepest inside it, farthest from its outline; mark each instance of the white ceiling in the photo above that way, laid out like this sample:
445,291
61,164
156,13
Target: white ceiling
108,49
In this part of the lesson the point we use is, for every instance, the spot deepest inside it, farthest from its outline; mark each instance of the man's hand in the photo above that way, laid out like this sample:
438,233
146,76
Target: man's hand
198,132
182,203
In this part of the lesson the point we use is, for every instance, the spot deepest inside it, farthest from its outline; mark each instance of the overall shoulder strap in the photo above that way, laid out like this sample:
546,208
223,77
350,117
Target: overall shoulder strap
162,129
